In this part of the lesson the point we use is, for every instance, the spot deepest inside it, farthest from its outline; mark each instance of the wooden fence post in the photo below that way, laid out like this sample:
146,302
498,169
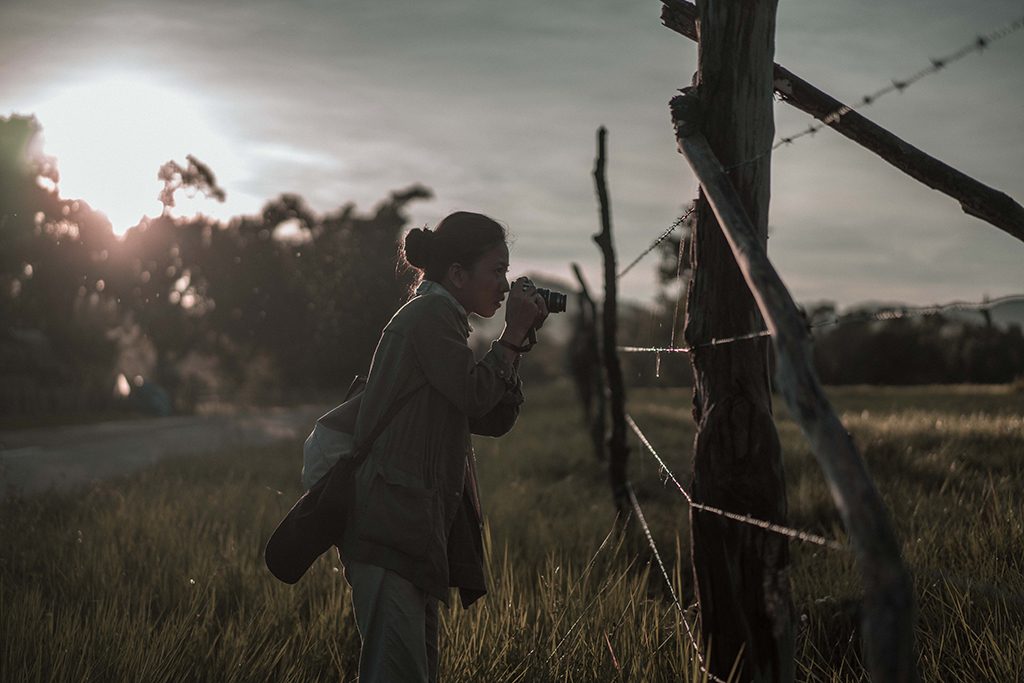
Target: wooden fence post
741,573
585,364
887,625
618,451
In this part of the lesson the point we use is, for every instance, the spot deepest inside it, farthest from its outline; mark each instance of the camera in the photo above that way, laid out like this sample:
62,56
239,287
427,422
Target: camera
554,300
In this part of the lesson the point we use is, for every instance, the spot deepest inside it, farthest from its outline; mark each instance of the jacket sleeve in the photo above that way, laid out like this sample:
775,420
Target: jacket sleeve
501,417
442,353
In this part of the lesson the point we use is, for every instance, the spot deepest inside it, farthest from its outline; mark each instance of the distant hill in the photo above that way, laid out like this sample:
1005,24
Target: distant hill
1009,313
1004,313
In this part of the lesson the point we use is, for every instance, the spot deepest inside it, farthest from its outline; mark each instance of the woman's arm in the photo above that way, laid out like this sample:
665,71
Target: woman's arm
478,388
448,363
503,416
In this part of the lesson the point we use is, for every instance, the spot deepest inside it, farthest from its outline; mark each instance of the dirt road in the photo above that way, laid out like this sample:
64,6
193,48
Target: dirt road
35,460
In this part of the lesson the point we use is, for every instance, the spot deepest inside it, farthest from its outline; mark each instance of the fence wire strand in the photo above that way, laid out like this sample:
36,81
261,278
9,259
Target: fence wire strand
795,534
688,349
661,238
856,316
668,582
978,44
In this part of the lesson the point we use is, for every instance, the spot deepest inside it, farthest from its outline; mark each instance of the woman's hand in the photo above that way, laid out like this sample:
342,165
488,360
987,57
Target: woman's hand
542,308
524,309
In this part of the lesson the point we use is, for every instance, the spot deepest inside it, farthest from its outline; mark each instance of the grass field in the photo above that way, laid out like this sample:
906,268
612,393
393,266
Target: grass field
159,577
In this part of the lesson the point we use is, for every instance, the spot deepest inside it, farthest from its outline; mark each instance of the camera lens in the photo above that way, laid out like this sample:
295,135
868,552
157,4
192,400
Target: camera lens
554,300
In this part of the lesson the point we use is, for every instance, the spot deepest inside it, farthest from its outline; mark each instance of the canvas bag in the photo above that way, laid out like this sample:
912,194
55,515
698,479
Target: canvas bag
317,520
331,438
323,448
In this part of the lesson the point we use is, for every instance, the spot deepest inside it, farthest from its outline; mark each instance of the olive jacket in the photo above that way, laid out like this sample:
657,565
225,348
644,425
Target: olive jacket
417,509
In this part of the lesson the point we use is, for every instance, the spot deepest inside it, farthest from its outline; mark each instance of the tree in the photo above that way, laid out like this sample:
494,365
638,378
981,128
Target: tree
194,177
53,299
308,310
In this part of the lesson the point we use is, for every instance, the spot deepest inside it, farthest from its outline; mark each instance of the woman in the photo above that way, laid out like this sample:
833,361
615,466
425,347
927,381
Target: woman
415,530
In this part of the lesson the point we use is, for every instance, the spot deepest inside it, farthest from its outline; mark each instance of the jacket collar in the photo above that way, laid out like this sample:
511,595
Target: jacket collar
429,287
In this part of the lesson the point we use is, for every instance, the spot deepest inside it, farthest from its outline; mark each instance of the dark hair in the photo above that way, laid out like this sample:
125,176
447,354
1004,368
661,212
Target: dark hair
461,237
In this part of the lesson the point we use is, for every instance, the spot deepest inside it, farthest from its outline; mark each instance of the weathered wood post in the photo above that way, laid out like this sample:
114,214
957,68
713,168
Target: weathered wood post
585,364
618,451
741,573
888,615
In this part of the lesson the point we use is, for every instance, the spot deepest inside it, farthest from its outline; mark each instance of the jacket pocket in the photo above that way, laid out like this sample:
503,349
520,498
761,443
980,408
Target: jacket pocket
399,513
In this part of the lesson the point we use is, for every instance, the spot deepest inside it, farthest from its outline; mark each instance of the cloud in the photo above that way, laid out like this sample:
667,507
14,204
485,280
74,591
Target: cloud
494,105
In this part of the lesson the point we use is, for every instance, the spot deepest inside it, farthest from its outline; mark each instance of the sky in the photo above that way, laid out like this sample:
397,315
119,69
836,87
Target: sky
495,105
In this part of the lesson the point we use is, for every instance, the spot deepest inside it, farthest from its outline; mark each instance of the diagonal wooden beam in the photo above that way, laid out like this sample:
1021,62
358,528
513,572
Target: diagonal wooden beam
975,198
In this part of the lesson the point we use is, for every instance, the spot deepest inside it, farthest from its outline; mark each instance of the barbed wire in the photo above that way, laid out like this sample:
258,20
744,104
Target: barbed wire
668,582
855,316
661,238
895,85
796,534
679,300
688,349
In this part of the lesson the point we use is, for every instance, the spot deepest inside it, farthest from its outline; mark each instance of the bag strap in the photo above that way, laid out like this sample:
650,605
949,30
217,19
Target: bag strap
363,449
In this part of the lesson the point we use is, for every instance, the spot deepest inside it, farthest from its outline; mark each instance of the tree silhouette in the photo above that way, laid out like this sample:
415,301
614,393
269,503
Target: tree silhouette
195,176
308,310
53,264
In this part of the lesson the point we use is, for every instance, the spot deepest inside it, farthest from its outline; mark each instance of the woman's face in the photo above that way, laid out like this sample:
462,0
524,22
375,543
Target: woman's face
482,288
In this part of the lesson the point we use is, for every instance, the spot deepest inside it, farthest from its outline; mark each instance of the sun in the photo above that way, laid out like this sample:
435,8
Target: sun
111,133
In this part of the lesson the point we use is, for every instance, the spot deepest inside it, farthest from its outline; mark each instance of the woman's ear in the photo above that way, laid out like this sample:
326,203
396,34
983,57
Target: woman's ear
458,275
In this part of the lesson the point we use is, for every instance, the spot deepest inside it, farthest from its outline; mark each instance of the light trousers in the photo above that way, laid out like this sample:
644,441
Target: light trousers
397,624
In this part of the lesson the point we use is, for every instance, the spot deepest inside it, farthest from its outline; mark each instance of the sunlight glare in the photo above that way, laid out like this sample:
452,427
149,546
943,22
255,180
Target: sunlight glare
111,134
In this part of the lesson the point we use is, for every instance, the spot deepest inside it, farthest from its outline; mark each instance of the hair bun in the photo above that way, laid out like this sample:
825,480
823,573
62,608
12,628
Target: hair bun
418,243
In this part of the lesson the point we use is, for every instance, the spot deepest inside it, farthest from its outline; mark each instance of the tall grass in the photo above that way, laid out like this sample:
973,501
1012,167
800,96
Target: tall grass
159,577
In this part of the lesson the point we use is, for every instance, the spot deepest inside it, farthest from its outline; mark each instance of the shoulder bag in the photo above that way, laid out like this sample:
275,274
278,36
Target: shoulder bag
318,519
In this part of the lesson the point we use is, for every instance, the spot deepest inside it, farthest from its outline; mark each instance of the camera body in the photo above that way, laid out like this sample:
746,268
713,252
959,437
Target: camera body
555,300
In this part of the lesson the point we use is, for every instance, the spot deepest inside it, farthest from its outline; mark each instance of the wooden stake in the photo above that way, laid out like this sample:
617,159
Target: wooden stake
888,601
618,451
585,359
